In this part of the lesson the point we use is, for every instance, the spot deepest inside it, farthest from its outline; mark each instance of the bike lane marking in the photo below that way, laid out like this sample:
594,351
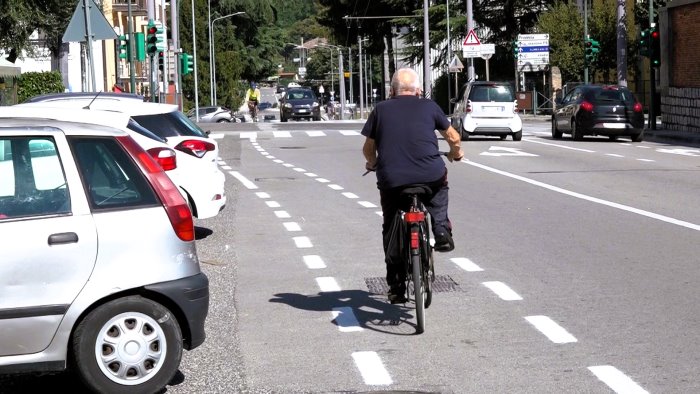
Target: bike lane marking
553,331
466,264
372,369
503,291
616,380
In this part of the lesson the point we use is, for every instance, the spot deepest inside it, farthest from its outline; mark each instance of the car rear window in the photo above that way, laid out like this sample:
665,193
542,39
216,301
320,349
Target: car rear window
32,180
486,93
170,124
137,128
610,95
111,178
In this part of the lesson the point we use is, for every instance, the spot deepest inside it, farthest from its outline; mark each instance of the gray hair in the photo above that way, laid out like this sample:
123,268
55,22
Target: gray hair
405,81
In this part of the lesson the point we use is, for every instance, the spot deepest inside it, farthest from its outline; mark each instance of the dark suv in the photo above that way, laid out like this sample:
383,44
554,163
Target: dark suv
609,110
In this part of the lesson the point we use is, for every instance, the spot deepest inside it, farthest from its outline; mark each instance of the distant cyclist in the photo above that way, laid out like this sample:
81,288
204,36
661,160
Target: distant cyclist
252,96
402,147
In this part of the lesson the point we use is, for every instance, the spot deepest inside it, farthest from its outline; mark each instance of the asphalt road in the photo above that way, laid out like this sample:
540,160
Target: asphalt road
575,270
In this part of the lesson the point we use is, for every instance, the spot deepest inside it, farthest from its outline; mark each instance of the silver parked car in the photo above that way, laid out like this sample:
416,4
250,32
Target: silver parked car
99,272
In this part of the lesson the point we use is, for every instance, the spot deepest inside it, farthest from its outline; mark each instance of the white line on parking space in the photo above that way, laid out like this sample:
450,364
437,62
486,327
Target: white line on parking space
350,195
503,291
282,214
611,204
372,369
616,380
282,134
558,146
272,204
302,242
247,183
335,187
551,329
466,264
327,284
262,195
292,226
314,262
345,319
366,204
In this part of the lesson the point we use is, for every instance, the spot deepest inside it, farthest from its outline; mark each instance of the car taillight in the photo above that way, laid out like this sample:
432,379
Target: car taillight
515,106
195,148
469,106
637,107
166,157
173,202
586,106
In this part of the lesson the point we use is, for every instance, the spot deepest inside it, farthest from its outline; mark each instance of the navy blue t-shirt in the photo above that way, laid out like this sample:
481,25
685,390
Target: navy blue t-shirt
403,129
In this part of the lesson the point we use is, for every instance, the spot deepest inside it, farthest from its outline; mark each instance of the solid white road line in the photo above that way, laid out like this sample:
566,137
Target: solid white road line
350,195
314,262
247,183
596,200
273,204
226,168
292,226
335,187
282,214
302,242
503,291
372,369
550,329
262,195
345,319
366,204
466,264
616,380
327,284
282,134
558,146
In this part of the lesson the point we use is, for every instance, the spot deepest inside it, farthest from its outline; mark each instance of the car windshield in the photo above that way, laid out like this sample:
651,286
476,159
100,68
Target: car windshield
485,93
170,124
300,94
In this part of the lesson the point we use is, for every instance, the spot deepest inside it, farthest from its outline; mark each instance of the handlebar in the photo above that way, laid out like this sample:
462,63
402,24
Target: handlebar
442,153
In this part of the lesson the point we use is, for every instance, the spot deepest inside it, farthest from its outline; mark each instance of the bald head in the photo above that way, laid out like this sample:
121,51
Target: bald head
405,82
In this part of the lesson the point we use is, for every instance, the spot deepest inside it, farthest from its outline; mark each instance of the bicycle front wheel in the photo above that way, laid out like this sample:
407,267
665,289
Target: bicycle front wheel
418,291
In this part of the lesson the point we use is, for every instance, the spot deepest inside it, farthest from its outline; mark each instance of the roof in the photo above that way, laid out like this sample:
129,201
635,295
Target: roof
77,115
130,107
72,95
8,69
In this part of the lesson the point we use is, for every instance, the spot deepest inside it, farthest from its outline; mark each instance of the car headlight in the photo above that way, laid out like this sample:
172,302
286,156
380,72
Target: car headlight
315,104
287,105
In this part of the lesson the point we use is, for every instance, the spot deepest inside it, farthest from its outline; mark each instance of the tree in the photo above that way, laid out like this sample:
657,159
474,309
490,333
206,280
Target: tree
564,24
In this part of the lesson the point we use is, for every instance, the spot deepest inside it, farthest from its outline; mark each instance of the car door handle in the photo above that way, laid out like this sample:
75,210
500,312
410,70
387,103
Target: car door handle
63,238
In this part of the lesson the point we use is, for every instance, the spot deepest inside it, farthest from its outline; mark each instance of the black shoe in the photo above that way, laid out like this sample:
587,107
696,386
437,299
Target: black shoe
397,294
444,242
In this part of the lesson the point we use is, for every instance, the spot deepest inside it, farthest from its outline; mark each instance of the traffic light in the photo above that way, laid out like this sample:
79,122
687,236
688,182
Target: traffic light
154,37
516,50
140,46
654,47
644,43
592,47
124,47
161,61
186,63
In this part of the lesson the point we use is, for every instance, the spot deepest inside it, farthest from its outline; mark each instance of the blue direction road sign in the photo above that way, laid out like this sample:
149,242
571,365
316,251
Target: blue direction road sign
534,49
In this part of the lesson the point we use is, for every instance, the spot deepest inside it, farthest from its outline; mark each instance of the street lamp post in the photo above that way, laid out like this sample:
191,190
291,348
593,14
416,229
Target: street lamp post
212,56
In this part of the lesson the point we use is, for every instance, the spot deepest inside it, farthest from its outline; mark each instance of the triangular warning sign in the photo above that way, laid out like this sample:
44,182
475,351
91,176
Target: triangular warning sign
471,39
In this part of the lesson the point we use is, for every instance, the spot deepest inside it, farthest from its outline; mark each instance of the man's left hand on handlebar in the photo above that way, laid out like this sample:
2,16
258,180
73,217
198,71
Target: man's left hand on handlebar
455,154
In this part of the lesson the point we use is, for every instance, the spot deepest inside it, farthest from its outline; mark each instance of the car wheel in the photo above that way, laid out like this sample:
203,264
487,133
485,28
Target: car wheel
556,133
464,135
223,121
637,137
518,135
576,132
130,344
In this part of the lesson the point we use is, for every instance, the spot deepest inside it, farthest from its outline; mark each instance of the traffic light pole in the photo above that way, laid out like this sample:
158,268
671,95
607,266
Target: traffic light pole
132,49
652,74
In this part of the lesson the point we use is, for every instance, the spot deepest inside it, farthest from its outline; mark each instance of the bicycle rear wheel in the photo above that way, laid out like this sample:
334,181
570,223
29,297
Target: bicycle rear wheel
418,292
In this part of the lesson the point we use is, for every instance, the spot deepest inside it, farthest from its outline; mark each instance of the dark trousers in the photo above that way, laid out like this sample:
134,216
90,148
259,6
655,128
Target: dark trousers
392,231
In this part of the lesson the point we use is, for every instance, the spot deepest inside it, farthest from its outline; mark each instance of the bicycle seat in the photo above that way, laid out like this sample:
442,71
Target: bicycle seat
416,189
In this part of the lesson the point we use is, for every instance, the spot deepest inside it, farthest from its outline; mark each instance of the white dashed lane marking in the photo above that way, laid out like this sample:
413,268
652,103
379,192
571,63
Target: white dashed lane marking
327,284
465,264
314,262
350,195
367,204
372,369
551,329
303,242
616,380
335,187
247,183
272,204
345,319
292,226
503,291
282,214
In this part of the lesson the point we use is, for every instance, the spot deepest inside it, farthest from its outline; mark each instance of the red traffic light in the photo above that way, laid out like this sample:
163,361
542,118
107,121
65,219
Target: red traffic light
655,34
152,30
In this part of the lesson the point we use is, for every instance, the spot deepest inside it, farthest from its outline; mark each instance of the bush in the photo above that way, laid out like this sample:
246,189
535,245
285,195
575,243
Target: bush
35,83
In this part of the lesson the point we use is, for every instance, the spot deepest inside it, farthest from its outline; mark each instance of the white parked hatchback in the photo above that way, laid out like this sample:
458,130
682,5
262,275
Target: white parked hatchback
487,108
201,180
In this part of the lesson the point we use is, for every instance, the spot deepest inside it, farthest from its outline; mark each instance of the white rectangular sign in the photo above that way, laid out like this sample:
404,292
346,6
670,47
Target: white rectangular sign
471,50
533,55
533,43
531,37
488,49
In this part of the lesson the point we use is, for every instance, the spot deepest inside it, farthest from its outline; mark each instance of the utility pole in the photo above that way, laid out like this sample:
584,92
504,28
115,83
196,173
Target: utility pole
585,36
359,59
652,75
426,51
622,42
175,33
132,48
470,27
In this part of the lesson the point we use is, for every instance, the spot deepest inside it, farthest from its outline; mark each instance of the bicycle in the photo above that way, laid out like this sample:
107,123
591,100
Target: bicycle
253,109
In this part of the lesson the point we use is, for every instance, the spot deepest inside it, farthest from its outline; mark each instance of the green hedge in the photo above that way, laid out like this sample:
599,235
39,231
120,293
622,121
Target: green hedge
35,83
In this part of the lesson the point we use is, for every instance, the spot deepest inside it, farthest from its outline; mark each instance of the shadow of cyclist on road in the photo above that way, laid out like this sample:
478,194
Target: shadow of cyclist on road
371,310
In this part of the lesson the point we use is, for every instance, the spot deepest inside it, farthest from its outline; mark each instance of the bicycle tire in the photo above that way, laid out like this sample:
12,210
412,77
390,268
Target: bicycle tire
418,287
427,263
